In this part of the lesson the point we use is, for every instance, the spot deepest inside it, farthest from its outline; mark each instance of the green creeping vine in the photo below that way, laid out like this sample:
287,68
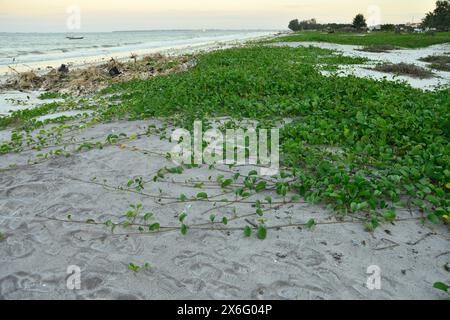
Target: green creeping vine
357,144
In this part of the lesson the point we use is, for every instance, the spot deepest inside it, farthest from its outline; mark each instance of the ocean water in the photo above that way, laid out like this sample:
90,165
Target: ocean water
23,48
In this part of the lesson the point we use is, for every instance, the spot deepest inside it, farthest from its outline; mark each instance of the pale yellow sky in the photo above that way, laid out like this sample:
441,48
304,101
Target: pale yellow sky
109,15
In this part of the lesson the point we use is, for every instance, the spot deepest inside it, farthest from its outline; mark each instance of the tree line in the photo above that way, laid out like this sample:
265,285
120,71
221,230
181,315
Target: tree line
438,19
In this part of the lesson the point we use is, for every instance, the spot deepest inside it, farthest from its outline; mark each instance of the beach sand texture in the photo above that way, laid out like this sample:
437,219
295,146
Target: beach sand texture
329,262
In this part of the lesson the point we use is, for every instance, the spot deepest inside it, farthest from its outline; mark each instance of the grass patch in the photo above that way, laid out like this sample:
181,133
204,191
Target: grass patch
409,40
405,69
378,48
394,139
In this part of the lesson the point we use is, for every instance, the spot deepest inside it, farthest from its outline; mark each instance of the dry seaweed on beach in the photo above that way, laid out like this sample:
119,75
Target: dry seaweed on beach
405,69
26,80
438,62
380,48
94,77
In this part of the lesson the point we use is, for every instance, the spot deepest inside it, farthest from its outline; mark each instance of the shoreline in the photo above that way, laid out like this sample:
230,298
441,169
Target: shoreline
42,67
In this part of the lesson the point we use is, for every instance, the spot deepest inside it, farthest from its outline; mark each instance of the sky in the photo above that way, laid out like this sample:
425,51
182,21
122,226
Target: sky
114,15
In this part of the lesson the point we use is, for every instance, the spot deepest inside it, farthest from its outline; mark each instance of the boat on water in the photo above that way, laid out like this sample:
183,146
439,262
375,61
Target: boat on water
74,38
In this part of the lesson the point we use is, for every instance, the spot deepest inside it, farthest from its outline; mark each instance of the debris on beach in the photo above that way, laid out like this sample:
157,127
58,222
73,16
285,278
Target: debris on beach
28,80
63,69
405,69
114,71
89,79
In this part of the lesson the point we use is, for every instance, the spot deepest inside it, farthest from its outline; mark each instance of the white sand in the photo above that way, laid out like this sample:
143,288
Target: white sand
327,263
411,56
19,100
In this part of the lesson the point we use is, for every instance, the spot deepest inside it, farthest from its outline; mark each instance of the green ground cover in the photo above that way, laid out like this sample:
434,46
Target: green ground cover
404,40
359,145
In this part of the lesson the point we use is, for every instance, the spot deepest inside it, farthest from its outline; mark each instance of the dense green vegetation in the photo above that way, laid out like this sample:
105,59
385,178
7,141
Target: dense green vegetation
360,145
405,40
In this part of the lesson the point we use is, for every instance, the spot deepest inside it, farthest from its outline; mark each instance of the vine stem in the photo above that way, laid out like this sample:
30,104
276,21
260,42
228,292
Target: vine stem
164,229
177,200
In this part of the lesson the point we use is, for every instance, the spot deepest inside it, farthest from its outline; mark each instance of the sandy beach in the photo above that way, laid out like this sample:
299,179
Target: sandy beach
55,207
329,262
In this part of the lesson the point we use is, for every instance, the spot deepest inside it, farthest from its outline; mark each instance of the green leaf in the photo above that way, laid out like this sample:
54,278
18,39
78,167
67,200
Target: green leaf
182,217
253,173
247,231
148,216
226,183
212,218
133,267
126,224
260,186
433,218
225,220
154,227
183,197
360,118
259,212
268,199
184,229
311,223
202,195
262,232
109,223
441,286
